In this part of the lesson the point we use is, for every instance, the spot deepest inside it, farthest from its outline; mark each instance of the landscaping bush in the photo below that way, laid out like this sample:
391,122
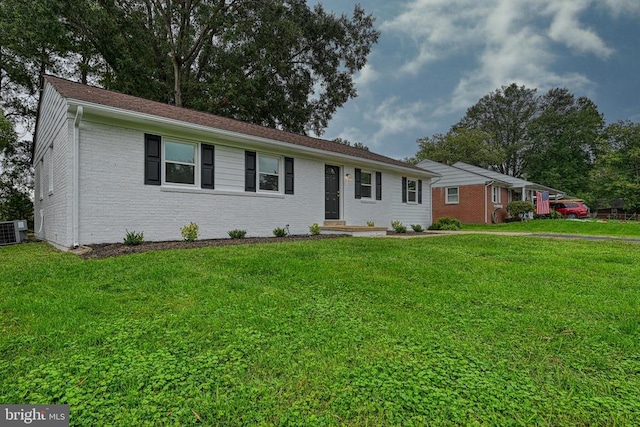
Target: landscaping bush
237,234
314,229
417,228
551,215
190,232
446,223
132,238
398,227
371,224
518,208
279,232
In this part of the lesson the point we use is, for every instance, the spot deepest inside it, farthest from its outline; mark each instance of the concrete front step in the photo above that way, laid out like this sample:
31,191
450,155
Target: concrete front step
334,223
354,230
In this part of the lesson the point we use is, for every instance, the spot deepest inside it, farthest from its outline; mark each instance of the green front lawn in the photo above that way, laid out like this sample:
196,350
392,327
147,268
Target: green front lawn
585,227
449,330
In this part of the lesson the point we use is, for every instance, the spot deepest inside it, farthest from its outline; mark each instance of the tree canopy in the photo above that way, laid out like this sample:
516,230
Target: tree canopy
553,139
278,63
563,141
617,168
504,116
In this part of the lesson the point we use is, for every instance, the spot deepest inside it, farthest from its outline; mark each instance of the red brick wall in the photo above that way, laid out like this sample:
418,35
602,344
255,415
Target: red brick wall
471,206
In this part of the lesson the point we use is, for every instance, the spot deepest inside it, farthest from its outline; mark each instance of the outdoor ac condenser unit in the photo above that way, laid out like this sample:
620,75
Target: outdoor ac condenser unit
13,232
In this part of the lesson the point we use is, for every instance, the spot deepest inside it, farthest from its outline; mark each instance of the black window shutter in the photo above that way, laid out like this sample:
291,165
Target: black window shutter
419,191
152,159
288,175
207,166
404,189
250,171
378,185
358,183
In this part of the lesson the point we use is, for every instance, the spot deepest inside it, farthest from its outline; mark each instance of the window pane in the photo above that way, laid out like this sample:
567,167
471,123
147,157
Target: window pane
268,182
269,165
180,174
178,152
411,196
411,185
365,178
365,191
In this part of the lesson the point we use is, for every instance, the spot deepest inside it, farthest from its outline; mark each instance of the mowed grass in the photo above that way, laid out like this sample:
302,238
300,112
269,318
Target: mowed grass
585,227
448,330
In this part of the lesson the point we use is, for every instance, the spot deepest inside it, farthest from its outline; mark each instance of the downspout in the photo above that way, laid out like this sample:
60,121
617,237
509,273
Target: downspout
76,177
431,182
486,207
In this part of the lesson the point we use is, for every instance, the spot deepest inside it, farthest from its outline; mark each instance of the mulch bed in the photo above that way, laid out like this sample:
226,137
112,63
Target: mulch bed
106,250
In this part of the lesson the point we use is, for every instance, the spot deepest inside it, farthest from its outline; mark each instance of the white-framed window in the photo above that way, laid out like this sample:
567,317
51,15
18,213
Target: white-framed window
453,195
495,194
50,165
180,160
366,182
269,172
412,191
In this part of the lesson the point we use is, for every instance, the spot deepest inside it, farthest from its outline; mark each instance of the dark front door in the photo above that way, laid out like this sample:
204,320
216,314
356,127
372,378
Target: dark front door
331,192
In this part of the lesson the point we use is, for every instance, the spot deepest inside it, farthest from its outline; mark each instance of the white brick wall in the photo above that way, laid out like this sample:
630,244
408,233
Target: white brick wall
54,129
113,197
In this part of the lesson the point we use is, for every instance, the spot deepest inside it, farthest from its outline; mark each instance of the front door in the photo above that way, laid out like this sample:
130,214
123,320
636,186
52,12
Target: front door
331,192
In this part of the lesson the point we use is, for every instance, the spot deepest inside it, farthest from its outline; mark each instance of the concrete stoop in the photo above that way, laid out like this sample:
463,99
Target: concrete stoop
340,227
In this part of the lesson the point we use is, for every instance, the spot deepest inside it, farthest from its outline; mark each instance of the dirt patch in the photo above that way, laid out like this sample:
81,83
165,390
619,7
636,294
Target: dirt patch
107,250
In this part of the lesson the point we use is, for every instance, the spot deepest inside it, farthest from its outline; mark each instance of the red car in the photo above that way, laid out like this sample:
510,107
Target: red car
571,209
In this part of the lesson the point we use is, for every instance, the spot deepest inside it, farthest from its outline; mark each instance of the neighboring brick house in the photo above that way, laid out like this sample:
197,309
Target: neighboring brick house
475,195
106,162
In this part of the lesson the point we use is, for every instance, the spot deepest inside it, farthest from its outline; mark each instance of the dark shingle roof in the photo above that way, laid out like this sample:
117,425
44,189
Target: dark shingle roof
92,94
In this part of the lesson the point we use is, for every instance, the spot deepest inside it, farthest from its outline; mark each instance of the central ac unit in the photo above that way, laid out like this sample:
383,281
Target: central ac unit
13,232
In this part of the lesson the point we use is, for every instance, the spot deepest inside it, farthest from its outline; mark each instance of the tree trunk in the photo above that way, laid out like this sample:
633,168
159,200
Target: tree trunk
177,82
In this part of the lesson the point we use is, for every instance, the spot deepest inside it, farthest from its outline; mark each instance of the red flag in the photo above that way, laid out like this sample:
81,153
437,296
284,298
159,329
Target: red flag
542,203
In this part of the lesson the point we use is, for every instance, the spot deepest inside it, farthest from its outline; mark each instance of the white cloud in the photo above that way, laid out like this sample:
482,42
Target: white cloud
366,77
619,7
510,41
392,117
435,27
566,29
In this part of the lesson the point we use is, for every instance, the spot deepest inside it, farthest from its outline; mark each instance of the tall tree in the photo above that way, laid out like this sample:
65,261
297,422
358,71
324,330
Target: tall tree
459,144
565,139
616,174
16,183
504,116
277,63
358,144
33,41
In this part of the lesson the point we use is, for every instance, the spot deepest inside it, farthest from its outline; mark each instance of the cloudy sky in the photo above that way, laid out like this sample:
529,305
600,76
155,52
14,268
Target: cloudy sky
436,58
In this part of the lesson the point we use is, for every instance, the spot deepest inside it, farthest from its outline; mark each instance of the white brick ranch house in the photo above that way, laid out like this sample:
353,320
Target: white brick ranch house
107,162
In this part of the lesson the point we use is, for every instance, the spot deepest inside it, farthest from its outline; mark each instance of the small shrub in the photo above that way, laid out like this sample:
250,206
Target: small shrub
132,238
551,215
446,223
237,234
398,227
371,224
190,232
279,232
417,228
517,208
314,229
